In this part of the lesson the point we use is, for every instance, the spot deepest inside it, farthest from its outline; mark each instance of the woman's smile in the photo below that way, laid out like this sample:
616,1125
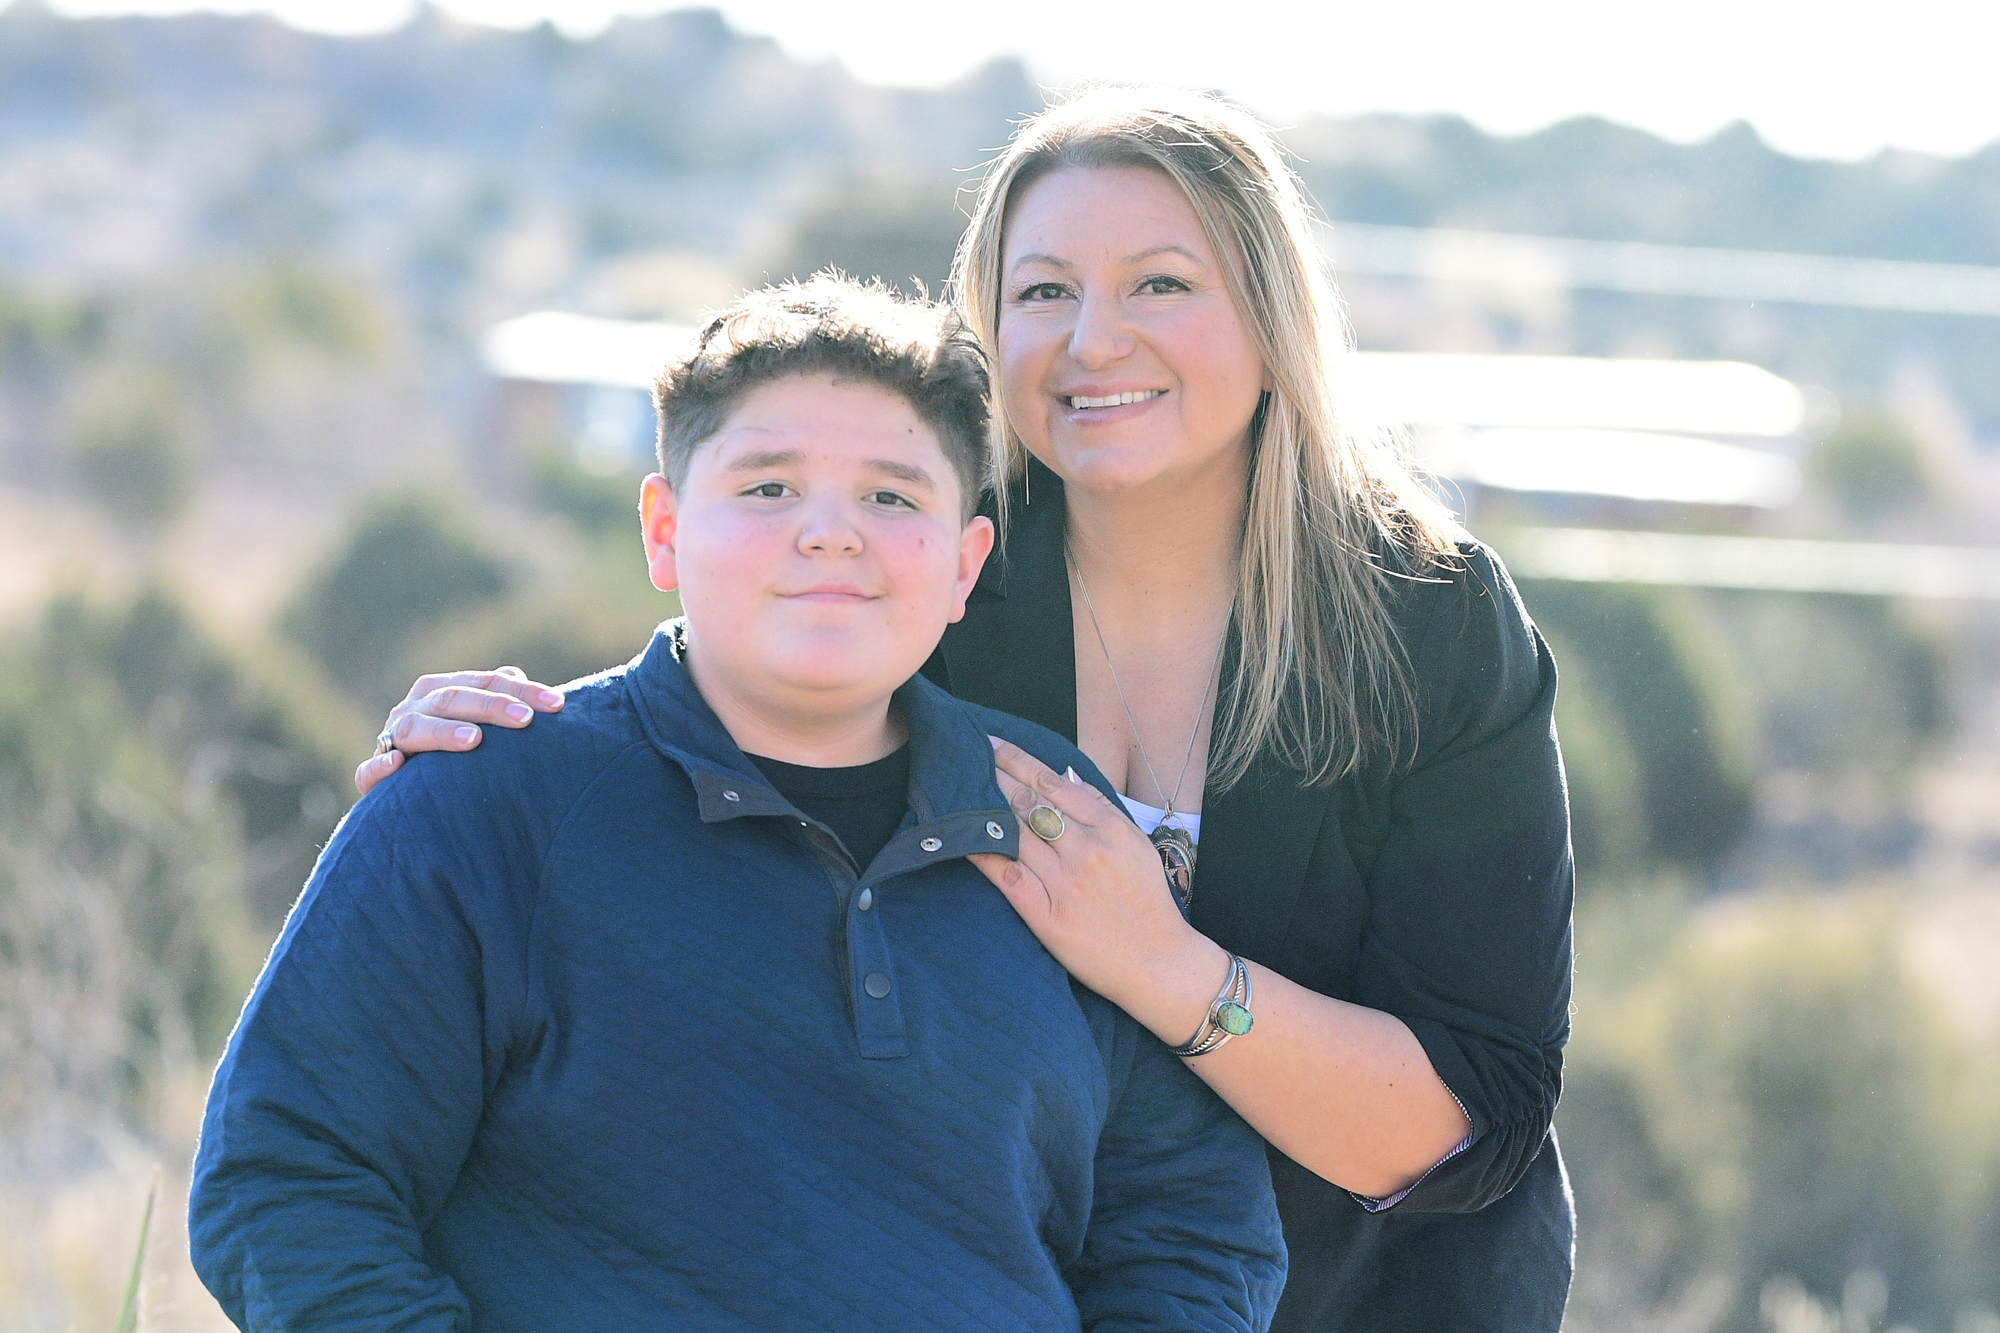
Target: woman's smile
1097,407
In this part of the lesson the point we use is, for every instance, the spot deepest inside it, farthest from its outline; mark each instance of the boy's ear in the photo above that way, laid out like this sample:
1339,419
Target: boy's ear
658,512
974,545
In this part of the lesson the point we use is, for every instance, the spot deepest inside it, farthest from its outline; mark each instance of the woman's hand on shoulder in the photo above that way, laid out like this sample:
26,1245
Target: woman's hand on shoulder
443,712
1095,897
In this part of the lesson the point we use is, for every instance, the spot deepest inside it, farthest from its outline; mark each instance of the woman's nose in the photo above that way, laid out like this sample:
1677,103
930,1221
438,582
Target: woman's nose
1102,334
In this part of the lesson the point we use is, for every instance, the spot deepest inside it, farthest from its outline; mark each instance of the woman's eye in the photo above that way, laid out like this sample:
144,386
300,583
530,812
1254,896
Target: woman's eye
1162,285
1042,291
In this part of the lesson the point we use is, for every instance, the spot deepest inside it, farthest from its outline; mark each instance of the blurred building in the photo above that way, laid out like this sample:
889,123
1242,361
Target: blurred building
1593,466
1636,432
578,382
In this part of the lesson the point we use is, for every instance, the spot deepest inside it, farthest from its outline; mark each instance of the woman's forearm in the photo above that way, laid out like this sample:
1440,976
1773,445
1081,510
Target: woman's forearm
1345,1091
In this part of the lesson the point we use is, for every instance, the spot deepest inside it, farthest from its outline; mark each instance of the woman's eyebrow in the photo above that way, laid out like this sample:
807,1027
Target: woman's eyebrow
1038,258
1180,250
1139,258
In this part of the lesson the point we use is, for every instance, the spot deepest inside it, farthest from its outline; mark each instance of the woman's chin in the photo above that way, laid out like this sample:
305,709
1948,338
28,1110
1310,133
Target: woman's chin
1115,466
1120,472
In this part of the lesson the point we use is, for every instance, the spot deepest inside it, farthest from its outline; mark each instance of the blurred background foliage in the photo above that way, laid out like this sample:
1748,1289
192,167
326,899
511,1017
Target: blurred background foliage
253,480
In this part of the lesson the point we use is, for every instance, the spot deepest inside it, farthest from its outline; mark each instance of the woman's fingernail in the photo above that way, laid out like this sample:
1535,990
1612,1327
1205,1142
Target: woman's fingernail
550,699
518,712
1071,774
464,735
997,742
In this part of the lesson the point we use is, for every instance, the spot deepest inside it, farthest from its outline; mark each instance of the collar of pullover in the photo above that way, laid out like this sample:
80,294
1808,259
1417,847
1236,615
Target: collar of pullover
954,796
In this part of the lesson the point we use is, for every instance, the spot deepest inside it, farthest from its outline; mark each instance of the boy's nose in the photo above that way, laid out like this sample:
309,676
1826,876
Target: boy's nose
829,531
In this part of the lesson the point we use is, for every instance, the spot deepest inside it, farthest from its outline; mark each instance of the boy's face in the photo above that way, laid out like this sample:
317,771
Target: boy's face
817,546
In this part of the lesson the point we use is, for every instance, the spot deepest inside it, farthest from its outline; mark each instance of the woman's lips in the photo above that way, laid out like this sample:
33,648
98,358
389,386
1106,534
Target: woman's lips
1104,416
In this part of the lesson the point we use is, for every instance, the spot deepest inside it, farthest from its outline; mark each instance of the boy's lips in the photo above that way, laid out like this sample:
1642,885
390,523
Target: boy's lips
831,592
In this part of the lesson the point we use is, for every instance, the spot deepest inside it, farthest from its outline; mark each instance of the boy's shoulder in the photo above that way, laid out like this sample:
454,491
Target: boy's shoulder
523,777
1052,749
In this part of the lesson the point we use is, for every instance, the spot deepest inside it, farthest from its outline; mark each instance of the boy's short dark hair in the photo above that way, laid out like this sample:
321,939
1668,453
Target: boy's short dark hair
830,324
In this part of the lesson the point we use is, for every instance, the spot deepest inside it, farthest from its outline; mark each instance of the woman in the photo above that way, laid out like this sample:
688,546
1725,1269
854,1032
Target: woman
1306,683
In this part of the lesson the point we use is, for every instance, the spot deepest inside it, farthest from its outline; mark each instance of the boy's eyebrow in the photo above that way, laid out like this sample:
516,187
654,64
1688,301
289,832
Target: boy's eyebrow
909,472
765,458
770,458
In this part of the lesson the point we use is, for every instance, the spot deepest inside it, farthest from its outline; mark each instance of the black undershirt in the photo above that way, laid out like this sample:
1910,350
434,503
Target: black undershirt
863,805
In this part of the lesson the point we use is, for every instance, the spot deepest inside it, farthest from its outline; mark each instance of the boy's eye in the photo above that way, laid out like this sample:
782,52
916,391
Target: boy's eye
768,490
890,498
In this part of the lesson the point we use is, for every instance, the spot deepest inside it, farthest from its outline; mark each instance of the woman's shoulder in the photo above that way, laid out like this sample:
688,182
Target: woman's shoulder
1475,658
1431,591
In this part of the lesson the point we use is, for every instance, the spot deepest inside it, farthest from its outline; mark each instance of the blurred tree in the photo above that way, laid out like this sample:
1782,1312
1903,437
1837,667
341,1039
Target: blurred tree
1765,1093
160,801
41,336
407,564
1650,666
902,231
598,505
128,444
598,611
1849,685
284,302
1870,466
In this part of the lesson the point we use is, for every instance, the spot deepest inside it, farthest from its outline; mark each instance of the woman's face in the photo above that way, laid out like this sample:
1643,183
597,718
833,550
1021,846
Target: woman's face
1123,361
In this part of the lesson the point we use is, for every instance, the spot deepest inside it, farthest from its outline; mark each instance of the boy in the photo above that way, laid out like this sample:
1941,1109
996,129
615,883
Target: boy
683,1009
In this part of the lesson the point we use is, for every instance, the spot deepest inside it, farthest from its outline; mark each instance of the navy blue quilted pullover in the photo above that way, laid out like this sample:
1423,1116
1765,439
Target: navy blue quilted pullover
591,1029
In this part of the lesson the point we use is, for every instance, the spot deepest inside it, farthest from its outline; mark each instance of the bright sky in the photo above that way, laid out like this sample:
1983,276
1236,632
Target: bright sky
1837,78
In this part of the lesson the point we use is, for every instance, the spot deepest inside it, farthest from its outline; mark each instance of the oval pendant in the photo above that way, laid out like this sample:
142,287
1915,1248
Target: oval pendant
1176,851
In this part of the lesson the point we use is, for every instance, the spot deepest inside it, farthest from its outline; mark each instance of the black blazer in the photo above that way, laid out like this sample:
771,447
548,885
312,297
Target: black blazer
1438,890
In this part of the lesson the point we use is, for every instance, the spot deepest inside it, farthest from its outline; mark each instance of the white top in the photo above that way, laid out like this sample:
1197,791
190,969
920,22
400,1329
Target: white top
1148,818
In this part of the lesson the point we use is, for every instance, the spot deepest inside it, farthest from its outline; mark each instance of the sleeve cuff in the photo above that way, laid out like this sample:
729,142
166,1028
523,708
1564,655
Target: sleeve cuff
1384,1204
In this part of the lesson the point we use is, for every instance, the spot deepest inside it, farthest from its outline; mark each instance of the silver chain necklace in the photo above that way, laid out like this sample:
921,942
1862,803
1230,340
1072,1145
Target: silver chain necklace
1170,839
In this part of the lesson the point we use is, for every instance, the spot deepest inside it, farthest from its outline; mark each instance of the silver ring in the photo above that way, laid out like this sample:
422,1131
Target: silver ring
1045,822
385,742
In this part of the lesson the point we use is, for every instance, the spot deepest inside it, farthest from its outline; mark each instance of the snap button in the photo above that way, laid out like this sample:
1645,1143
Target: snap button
929,845
728,795
993,830
877,986
866,899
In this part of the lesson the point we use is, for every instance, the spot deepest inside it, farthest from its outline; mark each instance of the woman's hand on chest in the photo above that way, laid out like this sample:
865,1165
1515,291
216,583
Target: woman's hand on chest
1097,899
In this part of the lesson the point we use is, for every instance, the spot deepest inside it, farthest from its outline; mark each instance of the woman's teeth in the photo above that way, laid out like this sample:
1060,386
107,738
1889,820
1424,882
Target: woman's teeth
1116,399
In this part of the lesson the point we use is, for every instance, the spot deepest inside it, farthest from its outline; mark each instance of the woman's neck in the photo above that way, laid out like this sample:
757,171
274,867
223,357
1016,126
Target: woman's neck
1142,550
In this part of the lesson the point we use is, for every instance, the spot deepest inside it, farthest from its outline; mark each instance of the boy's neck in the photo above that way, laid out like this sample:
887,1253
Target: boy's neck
842,737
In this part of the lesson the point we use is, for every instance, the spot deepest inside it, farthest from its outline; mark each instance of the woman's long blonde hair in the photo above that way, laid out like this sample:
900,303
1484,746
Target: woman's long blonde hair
1321,680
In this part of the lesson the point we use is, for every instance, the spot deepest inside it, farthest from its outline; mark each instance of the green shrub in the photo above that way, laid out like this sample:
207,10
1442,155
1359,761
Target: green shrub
1657,722
1758,1093
407,566
128,444
1870,466
160,802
